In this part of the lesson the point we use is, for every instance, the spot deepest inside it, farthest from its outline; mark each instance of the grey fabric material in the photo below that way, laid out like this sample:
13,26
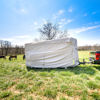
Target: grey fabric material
52,53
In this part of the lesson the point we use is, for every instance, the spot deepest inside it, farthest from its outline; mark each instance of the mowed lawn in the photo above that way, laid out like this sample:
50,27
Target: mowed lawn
78,83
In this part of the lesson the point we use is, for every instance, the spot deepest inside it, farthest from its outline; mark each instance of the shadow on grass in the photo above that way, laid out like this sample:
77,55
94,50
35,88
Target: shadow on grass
97,67
81,69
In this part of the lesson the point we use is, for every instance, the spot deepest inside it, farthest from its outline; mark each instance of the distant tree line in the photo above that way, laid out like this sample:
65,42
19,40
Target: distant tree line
7,49
95,47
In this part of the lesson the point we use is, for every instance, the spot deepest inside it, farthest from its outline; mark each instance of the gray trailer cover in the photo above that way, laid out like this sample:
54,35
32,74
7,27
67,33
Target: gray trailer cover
52,53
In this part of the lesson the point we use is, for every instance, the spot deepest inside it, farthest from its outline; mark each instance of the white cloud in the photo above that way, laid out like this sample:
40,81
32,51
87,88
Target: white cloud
70,9
81,41
44,21
76,31
19,6
59,13
23,11
55,16
34,26
20,11
69,21
35,23
64,22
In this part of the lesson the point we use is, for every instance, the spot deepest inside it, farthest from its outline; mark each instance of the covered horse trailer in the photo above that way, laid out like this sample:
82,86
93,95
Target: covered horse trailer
52,53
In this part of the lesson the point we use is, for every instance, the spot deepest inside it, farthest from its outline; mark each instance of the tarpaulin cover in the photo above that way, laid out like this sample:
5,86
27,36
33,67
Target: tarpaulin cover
52,53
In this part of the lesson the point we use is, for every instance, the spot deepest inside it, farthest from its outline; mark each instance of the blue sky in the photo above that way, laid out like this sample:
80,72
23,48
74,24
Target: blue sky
20,19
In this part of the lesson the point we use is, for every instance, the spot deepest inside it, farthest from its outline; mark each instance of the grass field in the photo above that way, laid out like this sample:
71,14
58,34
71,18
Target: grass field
79,83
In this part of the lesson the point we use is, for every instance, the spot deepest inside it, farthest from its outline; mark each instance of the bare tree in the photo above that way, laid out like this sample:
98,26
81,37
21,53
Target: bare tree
4,45
49,31
63,34
1,46
7,49
7,46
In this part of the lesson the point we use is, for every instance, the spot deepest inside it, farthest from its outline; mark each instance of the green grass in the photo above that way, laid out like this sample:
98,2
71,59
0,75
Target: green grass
50,93
5,94
16,97
96,95
21,86
78,83
93,85
63,98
